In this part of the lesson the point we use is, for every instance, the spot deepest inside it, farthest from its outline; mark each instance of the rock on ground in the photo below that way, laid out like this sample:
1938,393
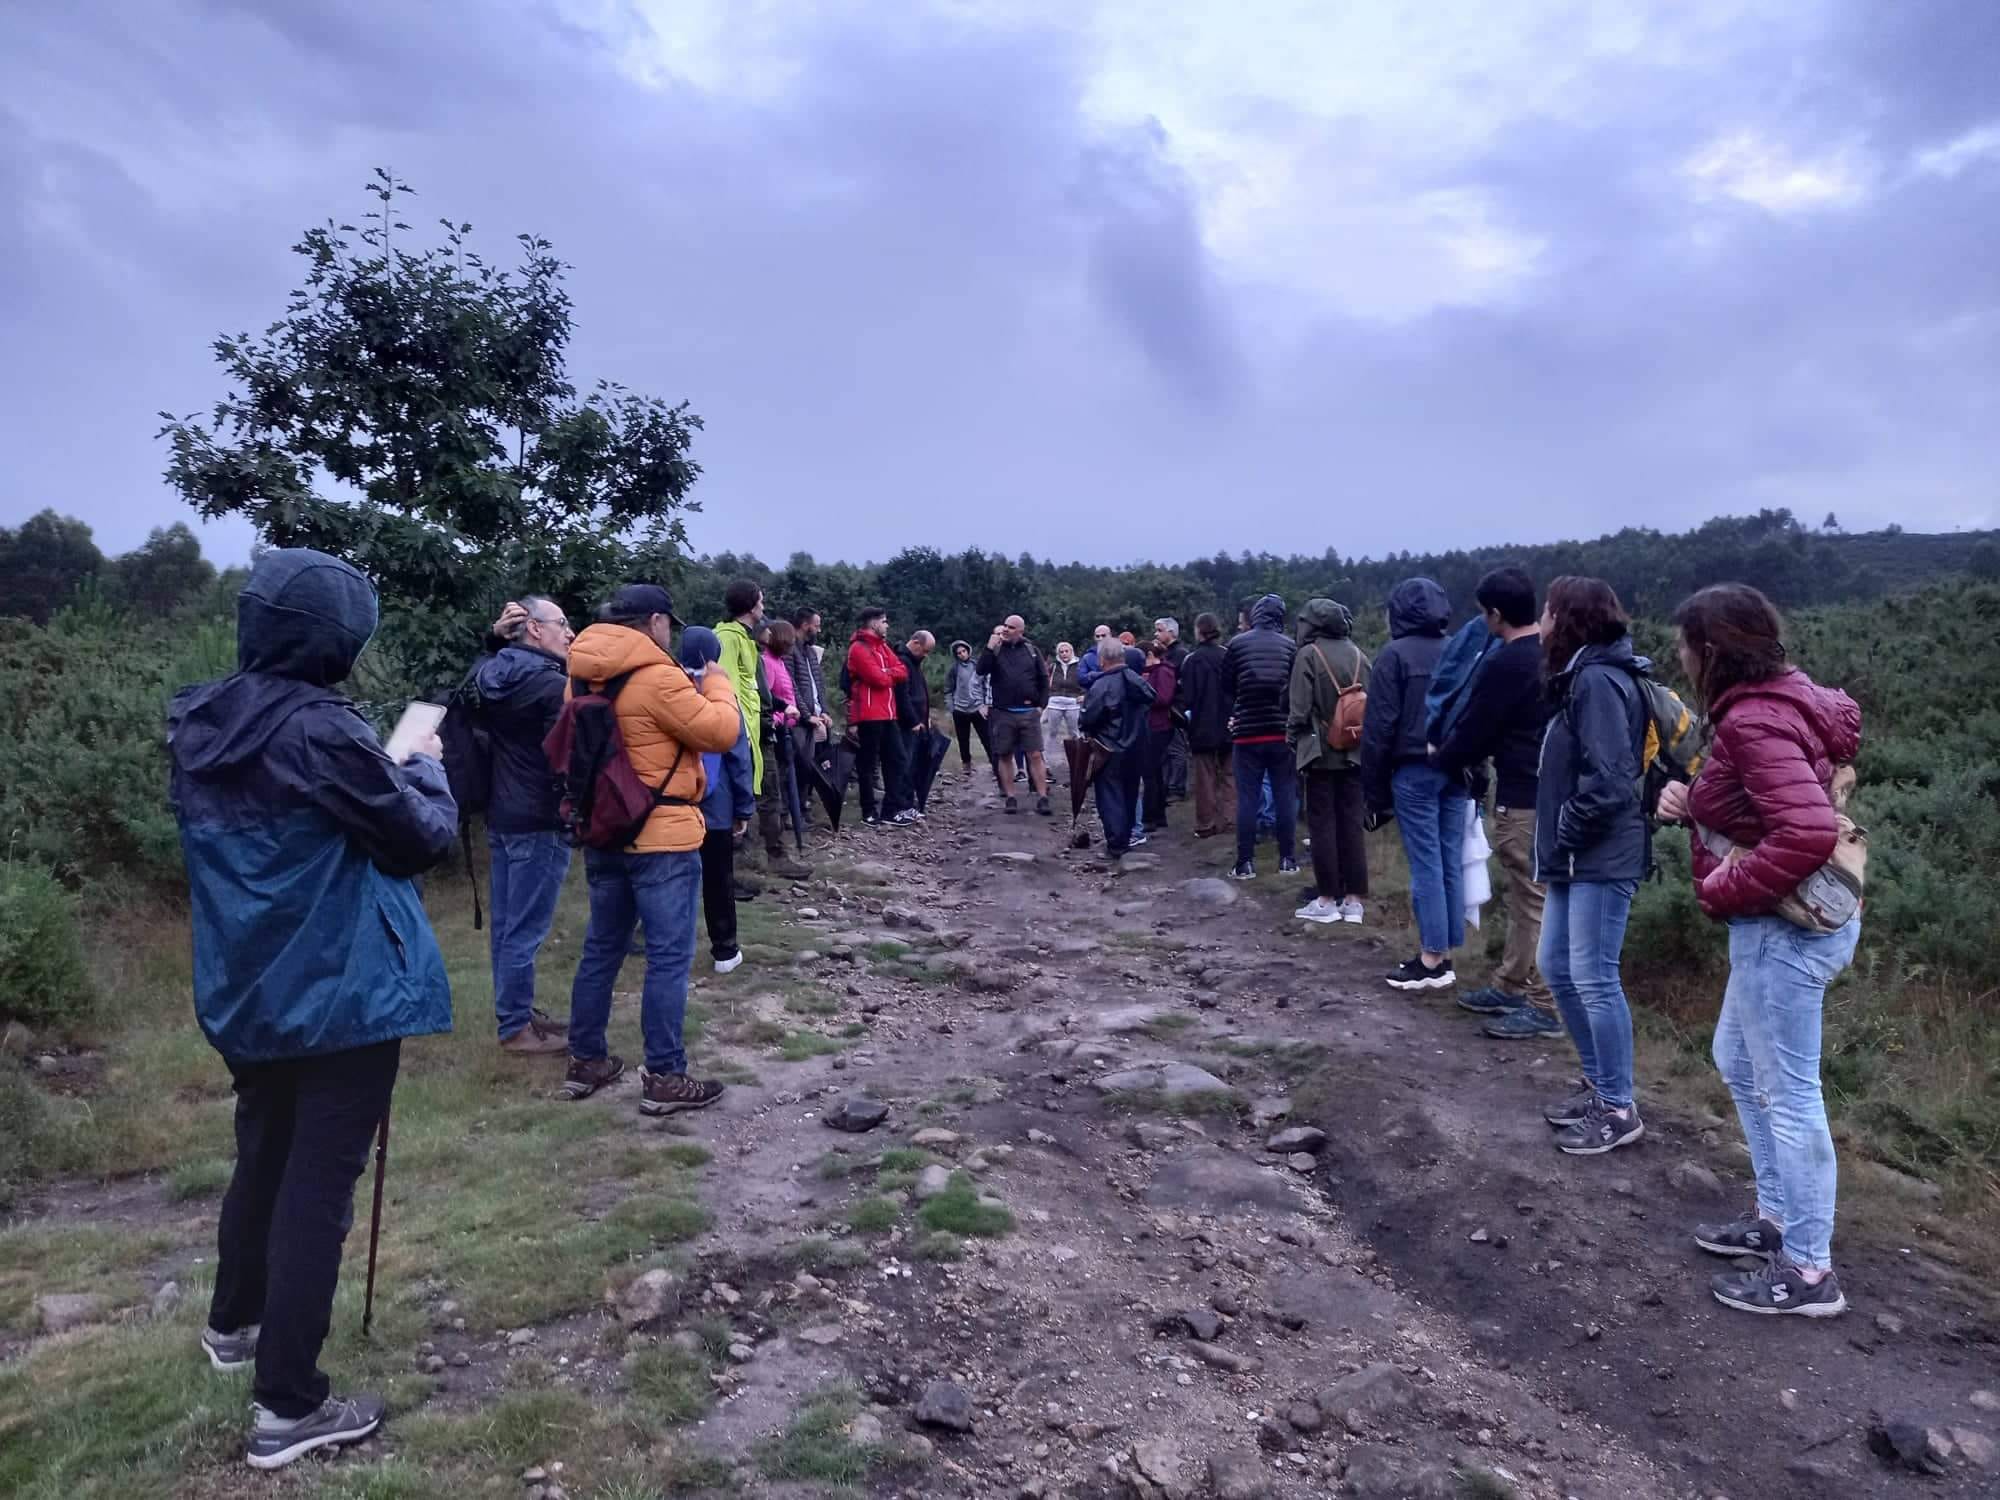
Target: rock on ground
1156,1470
1912,1441
645,1299
1375,1472
58,1312
1238,1474
1372,1392
856,1113
1298,1138
932,1181
945,1405
1176,1080
1208,891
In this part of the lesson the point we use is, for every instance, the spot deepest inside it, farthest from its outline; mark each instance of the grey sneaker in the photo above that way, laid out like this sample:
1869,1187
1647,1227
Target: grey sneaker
1571,1108
1748,1235
275,1442
1779,1288
230,1352
1524,1025
1600,1130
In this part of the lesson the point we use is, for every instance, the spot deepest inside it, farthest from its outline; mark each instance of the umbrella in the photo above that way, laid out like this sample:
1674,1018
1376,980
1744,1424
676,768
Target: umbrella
788,760
830,780
926,755
1087,759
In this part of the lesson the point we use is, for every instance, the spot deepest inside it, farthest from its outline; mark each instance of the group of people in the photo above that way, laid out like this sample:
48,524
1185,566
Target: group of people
314,957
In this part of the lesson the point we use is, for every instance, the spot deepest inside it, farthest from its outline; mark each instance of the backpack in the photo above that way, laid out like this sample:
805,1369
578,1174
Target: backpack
1826,900
468,769
1676,740
605,803
1350,705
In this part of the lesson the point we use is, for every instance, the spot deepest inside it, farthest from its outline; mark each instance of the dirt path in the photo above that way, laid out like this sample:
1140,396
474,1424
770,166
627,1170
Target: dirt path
1436,1302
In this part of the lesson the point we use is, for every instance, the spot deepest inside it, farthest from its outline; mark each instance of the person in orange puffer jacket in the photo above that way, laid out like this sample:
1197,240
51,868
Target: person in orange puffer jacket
873,671
666,722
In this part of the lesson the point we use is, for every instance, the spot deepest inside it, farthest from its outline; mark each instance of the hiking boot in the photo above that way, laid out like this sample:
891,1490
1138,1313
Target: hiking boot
1487,1001
541,1037
230,1352
1013,804
670,1093
1600,1130
1572,1107
1748,1235
1415,974
1351,910
786,868
1779,1288
1244,871
1042,807
1528,1024
587,1075
275,1442
1288,867
730,964
1319,909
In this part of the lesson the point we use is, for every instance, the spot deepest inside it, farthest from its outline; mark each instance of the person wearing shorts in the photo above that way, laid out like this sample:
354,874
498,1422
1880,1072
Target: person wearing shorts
1020,682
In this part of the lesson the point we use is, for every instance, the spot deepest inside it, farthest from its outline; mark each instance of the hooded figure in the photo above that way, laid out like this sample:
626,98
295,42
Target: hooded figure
1395,729
313,959
1327,661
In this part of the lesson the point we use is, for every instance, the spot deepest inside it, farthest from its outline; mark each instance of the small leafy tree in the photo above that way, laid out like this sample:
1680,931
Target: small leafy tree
44,563
166,573
412,413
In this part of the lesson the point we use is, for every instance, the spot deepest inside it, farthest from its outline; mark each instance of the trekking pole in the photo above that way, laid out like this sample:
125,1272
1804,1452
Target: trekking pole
375,1221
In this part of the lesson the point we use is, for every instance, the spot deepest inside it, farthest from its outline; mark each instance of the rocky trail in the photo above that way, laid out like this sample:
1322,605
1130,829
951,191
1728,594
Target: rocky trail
1277,1229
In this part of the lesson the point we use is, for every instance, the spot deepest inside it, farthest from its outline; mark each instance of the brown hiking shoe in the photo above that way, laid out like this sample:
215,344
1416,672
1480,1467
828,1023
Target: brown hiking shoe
670,1093
540,1037
786,868
587,1075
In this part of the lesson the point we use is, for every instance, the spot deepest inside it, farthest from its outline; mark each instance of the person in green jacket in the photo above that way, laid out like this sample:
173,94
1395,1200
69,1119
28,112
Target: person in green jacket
743,601
1327,662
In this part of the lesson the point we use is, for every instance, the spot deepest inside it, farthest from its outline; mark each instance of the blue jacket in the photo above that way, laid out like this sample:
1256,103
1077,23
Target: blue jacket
1451,678
1114,710
301,836
520,696
1588,821
731,797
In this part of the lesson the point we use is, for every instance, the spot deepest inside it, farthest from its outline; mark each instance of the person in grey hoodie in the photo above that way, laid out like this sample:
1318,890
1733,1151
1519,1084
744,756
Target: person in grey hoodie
1397,776
970,698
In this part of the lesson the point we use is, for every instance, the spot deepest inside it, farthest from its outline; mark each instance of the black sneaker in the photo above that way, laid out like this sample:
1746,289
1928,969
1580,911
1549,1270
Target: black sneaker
1415,974
230,1352
1020,778
1600,1130
1042,807
1244,871
1013,804
586,1076
1779,1288
275,1442
1288,867
1571,1109
1748,1235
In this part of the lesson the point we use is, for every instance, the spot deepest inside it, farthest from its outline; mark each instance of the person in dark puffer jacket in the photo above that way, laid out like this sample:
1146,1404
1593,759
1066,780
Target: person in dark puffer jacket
1257,675
1396,773
1778,738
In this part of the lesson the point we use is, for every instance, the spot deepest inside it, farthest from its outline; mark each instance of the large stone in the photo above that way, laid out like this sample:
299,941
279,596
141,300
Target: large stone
1176,1080
1266,1112
1126,1018
865,1430
1912,1441
945,1405
58,1312
1357,1400
1298,1138
873,872
1208,891
856,1113
936,1138
1693,1177
1238,1474
1375,1472
1157,1462
1150,1137
1011,857
166,1299
932,1181
1974,1446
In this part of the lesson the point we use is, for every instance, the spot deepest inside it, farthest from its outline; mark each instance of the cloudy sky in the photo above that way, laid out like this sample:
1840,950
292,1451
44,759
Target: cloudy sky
1096,280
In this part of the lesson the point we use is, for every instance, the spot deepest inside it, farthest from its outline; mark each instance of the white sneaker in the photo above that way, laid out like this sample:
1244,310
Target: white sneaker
1351,910
731,964
1319,909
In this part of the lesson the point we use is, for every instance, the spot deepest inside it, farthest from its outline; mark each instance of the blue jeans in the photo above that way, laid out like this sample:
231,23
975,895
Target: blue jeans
1583,934
1256,766
660,891
528,872
1767,1049
1430,816
1114,802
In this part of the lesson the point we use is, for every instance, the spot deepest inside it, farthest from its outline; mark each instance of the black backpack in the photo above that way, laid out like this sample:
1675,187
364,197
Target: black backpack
468,768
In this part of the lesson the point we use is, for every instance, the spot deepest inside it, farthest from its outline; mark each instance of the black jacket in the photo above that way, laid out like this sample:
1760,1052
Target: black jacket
913,693
1257,673
1588,821
1205,697
1019,676
1504,714
806,679
520,695
1114,710
1393,731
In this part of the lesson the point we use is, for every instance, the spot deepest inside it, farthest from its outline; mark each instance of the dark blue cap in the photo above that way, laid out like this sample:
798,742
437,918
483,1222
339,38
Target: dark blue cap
639,601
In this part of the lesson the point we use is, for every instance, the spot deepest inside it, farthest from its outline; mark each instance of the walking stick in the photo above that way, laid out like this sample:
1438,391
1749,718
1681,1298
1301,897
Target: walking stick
375,1221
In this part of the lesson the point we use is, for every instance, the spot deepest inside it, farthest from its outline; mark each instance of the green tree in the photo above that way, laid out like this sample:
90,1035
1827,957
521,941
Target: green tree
411,411
166,573
44,563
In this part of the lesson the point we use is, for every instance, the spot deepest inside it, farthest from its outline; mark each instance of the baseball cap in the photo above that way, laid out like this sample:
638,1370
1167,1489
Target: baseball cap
636,601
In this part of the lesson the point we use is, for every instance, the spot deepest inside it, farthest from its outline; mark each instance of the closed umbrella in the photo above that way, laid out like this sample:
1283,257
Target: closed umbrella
927,755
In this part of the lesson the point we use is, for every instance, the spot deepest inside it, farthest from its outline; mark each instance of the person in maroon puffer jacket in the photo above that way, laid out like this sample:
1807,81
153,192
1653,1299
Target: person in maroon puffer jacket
1778,738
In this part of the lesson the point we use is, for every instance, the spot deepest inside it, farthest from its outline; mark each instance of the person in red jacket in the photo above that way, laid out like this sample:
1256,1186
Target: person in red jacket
873,671
1777,738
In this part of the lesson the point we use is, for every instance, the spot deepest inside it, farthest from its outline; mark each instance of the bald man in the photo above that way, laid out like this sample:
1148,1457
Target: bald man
1020,680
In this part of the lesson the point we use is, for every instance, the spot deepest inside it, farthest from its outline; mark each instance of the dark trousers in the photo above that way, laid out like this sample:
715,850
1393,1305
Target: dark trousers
1154,775
718,891
1339,847
884,745
1115,801
771,804
967,726
1178,758
1256,763
303,1129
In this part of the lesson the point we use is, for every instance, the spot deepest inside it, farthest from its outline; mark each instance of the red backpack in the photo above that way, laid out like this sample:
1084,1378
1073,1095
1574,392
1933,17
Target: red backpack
605,803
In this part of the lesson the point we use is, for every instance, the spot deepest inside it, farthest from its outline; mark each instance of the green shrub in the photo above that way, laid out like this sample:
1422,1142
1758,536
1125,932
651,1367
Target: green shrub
43,981
20,1124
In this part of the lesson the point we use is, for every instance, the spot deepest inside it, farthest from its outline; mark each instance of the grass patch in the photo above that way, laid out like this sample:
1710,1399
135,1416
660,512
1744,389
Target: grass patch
815,1446
873,1215
100,1258
1209,1103
1475,1483
938,1245
834,1166
903,1159
670,1384
812,1003
201,1178
957,1210
854,1030
888,950
514,1430
1166,1028
686,1154
799,1046
820,1252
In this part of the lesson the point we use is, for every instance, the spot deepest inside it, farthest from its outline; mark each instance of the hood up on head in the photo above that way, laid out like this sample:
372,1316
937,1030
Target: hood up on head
1268,613
1417,606
1325,619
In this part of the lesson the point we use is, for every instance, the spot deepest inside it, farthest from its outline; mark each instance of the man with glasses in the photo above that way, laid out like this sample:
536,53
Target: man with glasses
520,694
